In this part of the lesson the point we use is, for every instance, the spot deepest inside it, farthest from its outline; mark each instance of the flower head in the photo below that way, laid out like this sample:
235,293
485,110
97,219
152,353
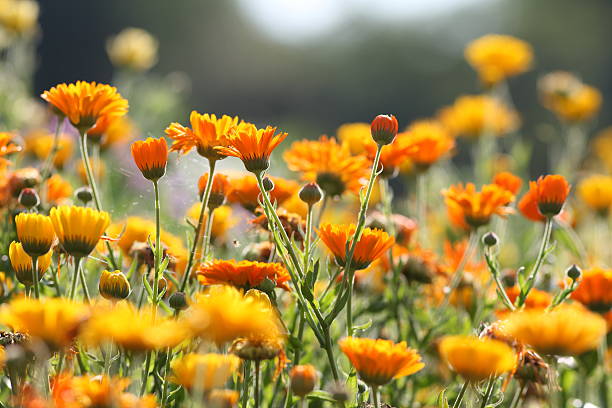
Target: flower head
384,128
79,228
40,143
35,232
596,192
508,181
22,263
151,156
55,321
568,97
245,191
356,136
113,285
477,359
427,142
565,330
497,57
59,189
86,104
243,274
133,48
595,291
253,146
372,244
220,188
474,207
211,370
379,361
550,191
206,133
7,147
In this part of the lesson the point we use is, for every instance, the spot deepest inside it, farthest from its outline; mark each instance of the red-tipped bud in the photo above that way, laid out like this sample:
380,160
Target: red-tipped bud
384,129
303,379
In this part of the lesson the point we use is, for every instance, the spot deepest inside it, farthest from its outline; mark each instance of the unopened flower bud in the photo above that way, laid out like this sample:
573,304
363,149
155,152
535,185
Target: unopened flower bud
303,379
490,239
178,301
573,272
114,285
29,198
311,193
84,194
268,184
384,129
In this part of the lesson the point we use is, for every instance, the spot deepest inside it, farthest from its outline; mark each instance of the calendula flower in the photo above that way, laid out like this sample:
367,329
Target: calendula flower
477,207
138,229
133,48
565,330
356,136
329,164
40,143
427,142
7,147
98,169
55,321
19,17
384,129
243,274
113,285
79,228
151,157
35,232
508,181
224,219
536,299
392,155
477,359
206,133
22,263
86,103
596,192
528,205
595,291
253,146
568,97
550,191
219,190
112,131
133,329
497,57
372,244
93,391
58,189
222,398
380,361
244,191
222,314
209,370
472,115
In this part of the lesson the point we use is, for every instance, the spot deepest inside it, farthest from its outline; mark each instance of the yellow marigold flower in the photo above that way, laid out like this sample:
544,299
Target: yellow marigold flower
79,228
206,133
245,191
596,192
222,398
565,330
356,136
55,321
329,164
222,314
114,285
427,141
40,143
243,274
568,97
497,57
372,244
595,291
219,190
133,48
86,103
35,232
98,168
472,115
467,205
22,264
112,131
58,189
133,329
18,16
151,156
253,146
380,361
477,359
212,370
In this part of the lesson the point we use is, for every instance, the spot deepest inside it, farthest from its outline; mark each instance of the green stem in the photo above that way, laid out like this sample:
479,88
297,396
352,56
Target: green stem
164,395
35,277
198,232
108,358
488,392
158,251
330,354
245,384
461,394
538,263
145,374
422,208
75,277
257,381
207,234
84,285
518,396
375,398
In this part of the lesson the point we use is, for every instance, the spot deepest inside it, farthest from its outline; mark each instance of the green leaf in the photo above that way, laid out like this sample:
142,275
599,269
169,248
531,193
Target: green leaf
442,401
363,327
321,396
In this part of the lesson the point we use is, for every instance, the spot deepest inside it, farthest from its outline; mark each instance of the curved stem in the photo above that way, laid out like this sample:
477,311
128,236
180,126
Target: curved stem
461,394
198,232
538,263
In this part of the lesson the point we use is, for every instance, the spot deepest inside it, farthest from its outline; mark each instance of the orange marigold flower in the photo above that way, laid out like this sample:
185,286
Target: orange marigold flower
537,299
508,181
220,188
551,192
384,128
41,142
151,157
253,146
7,146
58,189
329,164
243,274
372,244
245,191
477,207
206,133
392,155
427,141
380,361
595,290
528,205
86,104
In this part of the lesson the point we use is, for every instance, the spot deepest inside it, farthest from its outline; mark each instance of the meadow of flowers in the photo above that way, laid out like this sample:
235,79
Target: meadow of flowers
369,269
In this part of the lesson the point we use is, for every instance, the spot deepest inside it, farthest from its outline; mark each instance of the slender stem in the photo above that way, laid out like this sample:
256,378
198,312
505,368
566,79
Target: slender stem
46,169
307,239
208,233
198,232
538,263
35,277
322,209
164,395
330,354
145,374
75,277
422,208
108,358
467,255
257,380
488,392
158,252
459,399
84,285
94,189
518,396
245,384
375,398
